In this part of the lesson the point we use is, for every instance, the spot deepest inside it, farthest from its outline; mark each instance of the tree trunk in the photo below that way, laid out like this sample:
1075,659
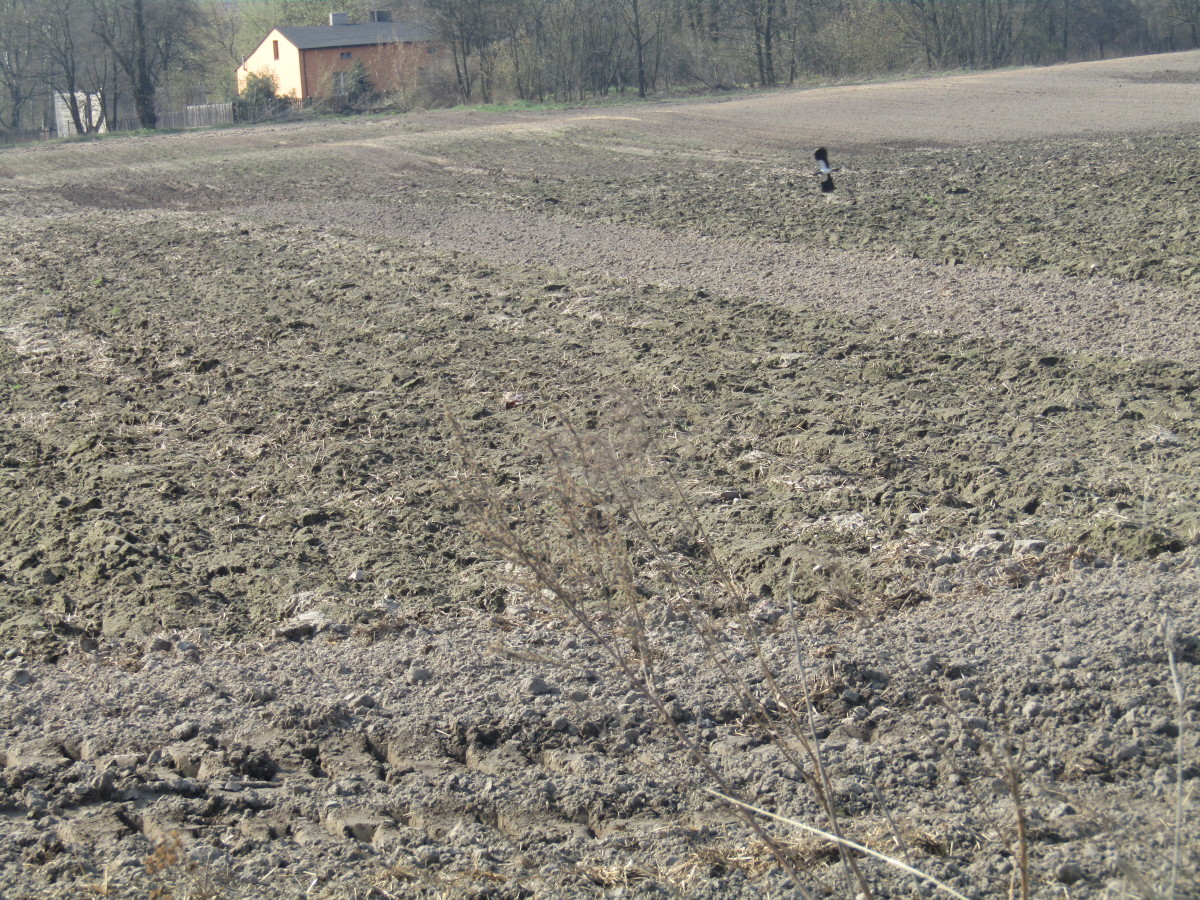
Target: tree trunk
143,85
639,44
1066,35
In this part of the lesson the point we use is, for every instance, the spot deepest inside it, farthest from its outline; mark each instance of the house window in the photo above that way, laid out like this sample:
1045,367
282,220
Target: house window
339,83
345,54
275,48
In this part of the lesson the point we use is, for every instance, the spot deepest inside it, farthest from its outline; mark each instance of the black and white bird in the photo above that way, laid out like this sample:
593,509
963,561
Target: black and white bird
822,158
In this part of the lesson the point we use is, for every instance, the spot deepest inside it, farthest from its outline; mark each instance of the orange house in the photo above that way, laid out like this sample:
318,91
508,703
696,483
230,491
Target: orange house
315,61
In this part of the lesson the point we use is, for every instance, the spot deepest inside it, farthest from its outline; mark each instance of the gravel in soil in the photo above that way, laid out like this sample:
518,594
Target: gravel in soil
491,755
253,646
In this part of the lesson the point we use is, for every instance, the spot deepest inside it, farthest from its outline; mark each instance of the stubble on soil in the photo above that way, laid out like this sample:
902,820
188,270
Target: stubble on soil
229,366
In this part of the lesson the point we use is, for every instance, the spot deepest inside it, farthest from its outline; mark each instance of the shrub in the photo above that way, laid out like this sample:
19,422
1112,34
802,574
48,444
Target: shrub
259,99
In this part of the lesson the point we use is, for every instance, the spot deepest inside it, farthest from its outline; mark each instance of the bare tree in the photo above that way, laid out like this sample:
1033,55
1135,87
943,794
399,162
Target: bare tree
762,18
1187,14
466,25
146,38
642,33
76,64
19,62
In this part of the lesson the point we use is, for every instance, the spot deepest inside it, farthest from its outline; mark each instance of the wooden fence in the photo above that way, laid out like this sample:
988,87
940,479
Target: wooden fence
203,116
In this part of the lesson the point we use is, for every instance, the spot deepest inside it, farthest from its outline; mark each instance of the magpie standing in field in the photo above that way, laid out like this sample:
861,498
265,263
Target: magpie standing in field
822,158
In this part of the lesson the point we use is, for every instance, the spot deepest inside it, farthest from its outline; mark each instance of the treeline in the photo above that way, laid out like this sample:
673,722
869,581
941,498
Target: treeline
114,59
105,58
116,64
572,49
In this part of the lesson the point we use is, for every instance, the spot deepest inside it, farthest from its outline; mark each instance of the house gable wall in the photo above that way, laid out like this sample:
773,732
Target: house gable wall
286,70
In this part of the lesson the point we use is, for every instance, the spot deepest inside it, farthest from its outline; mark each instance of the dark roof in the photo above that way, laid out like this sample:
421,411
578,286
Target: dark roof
321,36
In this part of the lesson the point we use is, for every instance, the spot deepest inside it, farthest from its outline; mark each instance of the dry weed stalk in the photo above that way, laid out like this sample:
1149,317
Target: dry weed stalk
1005,758
586,565
177,875
848,844
1180,695
585,556
1142,885
1011,769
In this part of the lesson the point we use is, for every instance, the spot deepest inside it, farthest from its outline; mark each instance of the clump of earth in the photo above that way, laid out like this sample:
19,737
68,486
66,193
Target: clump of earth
937,432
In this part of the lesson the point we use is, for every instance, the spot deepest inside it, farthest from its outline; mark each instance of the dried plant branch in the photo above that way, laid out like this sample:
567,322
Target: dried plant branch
592,501
849,844
1180,693
824,788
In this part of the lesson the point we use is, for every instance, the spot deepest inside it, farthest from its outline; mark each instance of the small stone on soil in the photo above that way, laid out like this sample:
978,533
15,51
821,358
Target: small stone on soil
1068,873
418,675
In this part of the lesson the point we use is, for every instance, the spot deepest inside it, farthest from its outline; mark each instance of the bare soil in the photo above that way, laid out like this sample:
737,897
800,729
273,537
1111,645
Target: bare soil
253,648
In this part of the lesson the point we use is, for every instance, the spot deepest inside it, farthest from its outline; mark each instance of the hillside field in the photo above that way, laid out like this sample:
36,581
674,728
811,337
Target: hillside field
437,505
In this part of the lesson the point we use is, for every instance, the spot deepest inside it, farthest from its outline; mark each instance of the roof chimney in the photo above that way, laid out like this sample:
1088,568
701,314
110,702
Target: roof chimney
339,18
381,15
